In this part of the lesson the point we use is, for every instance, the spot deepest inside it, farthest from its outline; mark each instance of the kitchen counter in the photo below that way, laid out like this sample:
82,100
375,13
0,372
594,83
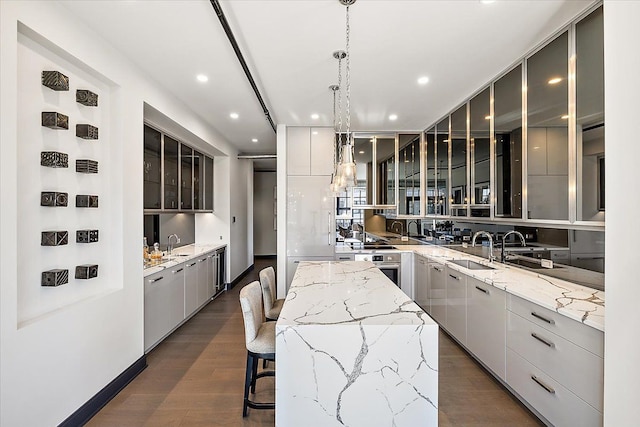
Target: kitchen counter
180,255
577,302
354,350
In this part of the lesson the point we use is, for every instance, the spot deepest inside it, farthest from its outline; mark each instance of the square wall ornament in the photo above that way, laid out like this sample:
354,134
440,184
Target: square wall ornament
53,198
54,238
54,159
86,201
86,166
87,271
85,131
54,120
55,277
86,236
86,97
55,80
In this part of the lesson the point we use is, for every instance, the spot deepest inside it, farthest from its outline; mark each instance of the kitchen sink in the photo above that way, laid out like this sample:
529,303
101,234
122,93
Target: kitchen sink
471,265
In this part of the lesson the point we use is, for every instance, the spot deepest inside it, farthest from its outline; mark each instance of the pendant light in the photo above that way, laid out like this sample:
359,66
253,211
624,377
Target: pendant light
335,184
347,166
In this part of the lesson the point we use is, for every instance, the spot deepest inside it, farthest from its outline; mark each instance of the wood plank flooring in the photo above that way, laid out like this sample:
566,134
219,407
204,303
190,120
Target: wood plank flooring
195,378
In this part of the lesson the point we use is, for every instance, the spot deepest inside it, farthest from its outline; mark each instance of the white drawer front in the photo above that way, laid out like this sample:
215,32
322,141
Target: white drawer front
575,368
582,335
554,402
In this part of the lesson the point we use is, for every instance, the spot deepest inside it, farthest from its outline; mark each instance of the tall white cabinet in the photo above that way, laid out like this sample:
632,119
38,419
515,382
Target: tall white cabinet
310,229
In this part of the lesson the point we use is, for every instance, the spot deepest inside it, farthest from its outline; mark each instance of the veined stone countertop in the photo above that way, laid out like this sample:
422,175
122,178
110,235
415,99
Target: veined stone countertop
354,350
586,305
180,255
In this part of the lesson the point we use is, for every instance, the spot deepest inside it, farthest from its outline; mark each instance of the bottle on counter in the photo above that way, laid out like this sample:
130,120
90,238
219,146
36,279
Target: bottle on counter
156,254
145,249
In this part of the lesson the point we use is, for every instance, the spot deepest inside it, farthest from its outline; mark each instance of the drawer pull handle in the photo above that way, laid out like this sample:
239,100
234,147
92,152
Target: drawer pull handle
344,258
482,290
202,260
191,265
543,385
156,280
177,271
455,277
439,270
542,340
544,319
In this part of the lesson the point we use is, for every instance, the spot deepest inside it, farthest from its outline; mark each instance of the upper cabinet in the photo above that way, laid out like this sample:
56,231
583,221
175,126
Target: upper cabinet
176,177
375,156
459,161
480,149
409,181
310,151
430,166
441,153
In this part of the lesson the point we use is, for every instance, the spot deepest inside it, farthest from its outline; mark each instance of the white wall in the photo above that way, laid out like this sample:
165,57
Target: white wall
54,364
264,235
622,336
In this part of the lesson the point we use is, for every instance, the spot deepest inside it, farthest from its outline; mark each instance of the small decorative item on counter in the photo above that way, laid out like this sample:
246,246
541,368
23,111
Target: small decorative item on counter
85,131
87,271
156,255
86,97
86,201
54,238
54,159
55,80
53,198
55,277
86,166
53,120
145,249
86,236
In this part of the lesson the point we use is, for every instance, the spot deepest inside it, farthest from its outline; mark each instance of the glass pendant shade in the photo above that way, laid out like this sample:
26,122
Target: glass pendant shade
347,169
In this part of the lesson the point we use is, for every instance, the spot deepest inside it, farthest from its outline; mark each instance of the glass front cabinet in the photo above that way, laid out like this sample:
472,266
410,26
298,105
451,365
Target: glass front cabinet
177,178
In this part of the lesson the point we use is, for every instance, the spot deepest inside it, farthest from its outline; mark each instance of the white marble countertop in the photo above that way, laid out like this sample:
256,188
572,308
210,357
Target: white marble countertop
337,292
181,255
586,305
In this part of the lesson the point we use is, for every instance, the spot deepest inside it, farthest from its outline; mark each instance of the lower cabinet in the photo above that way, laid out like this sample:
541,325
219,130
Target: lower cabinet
456,314
421,282
203,276
486,320
438,293
163,304
190,287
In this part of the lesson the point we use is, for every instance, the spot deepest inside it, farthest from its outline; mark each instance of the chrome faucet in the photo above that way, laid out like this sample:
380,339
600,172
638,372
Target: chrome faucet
486,233
417,228
504,241
401,226
169,245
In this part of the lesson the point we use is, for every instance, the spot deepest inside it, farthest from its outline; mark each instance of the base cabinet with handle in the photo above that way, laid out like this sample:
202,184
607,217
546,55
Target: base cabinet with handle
456,313
421,282
190,287
438,293
163,304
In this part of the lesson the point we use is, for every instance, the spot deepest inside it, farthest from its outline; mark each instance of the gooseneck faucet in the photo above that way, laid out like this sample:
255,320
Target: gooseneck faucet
401,226
486,233
504,240
169,245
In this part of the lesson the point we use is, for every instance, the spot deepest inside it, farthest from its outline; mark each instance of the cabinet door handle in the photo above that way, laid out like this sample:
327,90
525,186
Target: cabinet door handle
542,340
191,265
344,258
177,271
482,290
451,275
210,256
156,280
329,232
202,260
439,270
543,385
544,319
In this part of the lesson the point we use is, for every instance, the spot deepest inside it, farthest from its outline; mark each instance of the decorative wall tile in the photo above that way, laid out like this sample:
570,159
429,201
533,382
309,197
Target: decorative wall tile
86,97
55,80
86,236
86,201
52,198
54,238
85,131
86,166
54,120
54,159
55,277
87,271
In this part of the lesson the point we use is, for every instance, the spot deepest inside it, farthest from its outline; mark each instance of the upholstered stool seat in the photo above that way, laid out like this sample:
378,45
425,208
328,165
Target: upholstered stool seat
272,306
260,340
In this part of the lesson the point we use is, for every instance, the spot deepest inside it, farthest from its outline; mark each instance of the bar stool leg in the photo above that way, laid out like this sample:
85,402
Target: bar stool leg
247,382
254,376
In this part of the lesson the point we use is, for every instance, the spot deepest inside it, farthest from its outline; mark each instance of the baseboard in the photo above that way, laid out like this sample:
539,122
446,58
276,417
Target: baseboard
240,277
83,414
265,256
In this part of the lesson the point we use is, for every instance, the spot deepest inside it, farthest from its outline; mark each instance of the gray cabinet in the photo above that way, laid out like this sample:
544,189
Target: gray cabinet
457,305
438,293
190,287
203,275
163,304
421,283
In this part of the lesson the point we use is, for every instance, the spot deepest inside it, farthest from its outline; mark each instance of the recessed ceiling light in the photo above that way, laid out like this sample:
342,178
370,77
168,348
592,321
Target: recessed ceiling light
254,140
393,117
234,115
315,132
555,80
202,78
315,116
423,80
487,1
361,152
565,117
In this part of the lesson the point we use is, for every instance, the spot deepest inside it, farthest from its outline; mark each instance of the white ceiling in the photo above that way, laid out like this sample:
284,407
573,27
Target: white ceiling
460,45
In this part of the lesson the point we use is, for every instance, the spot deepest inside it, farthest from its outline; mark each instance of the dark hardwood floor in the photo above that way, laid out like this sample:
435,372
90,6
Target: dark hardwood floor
195,378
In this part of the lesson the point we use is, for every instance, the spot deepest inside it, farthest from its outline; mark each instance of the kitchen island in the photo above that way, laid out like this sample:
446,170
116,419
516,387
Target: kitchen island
352,349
